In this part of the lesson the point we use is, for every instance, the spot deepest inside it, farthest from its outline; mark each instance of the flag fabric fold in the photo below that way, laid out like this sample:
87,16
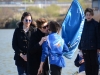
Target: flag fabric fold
72,27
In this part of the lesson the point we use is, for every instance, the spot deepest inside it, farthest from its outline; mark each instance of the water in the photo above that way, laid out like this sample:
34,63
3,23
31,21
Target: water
7,64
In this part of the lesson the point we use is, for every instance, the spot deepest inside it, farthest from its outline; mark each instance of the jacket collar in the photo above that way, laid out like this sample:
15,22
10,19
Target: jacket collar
39,31
20,26
89,21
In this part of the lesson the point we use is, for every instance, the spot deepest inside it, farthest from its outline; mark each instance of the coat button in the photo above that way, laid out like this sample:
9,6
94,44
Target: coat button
24,40
91,46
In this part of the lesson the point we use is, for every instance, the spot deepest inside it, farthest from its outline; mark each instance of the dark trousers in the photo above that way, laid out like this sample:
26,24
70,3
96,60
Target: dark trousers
33,66
33,69
55,70
91,62
22,70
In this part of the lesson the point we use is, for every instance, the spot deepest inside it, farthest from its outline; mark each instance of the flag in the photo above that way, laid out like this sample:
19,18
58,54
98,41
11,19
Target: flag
72,27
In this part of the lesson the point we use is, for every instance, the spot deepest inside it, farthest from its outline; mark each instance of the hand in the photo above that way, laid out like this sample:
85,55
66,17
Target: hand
40,71
23,56
42,40
98,50
81,61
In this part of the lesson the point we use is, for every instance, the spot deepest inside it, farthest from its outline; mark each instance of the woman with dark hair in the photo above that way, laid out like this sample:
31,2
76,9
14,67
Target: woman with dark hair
90,43
54,47
20,42
35,48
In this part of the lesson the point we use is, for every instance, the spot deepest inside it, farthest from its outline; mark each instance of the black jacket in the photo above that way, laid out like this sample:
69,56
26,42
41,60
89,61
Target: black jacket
20,43
35,52
90,39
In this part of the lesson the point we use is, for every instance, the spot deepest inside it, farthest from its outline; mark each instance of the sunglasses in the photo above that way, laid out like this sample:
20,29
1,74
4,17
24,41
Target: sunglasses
26,20
44,27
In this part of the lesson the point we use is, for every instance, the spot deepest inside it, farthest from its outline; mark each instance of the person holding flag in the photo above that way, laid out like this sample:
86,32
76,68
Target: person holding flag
90,43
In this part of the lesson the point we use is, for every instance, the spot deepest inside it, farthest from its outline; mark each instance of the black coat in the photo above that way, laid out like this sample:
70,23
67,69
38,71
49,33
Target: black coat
35,52
20,43
90,39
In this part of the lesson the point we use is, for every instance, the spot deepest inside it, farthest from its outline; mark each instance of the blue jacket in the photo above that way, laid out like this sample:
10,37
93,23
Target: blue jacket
54,48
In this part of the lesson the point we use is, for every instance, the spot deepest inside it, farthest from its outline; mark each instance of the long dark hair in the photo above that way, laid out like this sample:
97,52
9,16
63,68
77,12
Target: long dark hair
27,14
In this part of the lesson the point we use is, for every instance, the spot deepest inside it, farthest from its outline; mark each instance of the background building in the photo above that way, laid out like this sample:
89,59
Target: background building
96,5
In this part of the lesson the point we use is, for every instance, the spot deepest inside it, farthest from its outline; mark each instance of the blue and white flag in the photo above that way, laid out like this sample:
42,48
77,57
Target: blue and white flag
72,27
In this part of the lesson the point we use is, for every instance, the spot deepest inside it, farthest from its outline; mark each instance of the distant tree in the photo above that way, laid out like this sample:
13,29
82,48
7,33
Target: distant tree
29,1
5,14
64,0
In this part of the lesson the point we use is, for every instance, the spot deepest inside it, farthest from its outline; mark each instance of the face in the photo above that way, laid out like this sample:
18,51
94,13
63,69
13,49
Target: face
49,31
44,28
88,16
27,21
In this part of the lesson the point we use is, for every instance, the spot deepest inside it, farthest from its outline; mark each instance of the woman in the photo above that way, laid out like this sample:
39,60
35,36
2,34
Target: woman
35,48
90,43
54,48
20,42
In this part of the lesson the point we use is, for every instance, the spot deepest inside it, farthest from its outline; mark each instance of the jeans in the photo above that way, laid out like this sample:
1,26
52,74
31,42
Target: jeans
22,70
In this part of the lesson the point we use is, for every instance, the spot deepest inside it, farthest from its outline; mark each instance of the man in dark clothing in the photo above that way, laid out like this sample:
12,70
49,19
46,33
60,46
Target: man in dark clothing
90,43
35,48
